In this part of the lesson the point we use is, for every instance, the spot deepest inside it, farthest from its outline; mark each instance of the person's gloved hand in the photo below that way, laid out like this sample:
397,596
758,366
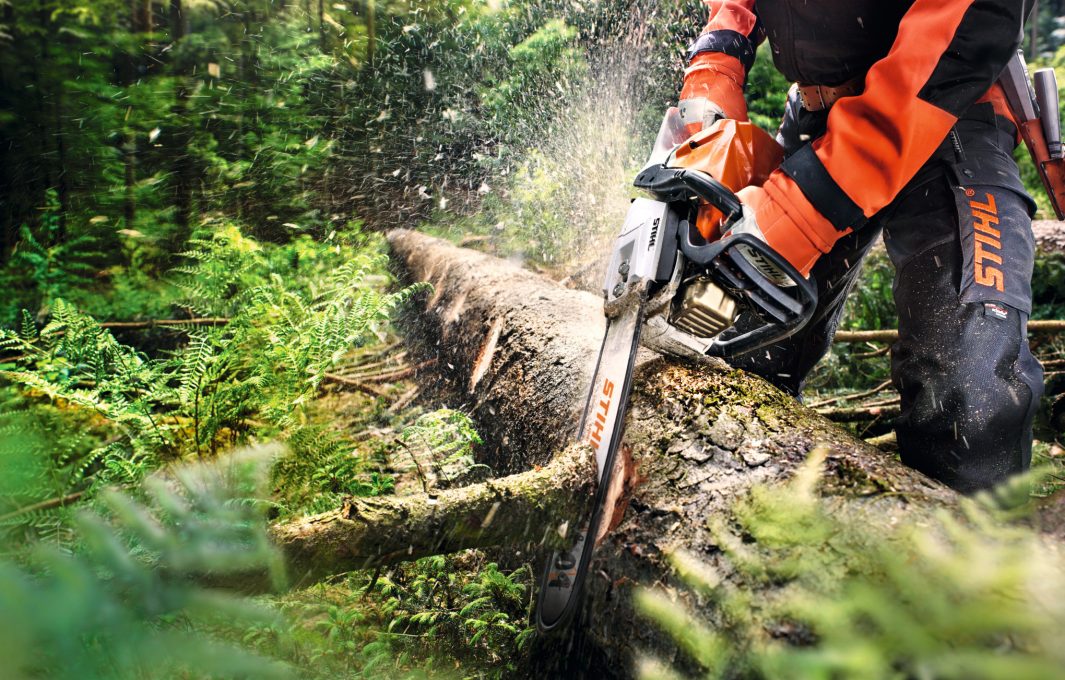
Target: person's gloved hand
713,88
792,228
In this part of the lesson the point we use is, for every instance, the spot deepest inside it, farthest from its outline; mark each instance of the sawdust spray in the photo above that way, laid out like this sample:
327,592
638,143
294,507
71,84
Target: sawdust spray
561,207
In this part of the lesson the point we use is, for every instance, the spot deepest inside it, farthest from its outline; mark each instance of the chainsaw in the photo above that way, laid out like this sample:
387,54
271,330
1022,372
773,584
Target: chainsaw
680,286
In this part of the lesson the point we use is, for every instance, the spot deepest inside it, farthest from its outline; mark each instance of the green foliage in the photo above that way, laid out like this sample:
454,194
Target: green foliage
1048,287
870,304
546,66
824,594
484,614
295,311
293,317
459,616
231,143
767,91
76,362
45,263
440,444
126,604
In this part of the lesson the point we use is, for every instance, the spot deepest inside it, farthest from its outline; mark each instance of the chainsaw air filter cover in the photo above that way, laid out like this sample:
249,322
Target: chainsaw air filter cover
703,309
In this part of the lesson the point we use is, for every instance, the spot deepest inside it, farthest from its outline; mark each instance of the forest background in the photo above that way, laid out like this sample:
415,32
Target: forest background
191,202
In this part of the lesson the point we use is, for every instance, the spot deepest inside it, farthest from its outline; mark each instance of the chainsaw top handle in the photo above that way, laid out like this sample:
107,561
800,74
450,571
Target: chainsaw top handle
674,184
784,307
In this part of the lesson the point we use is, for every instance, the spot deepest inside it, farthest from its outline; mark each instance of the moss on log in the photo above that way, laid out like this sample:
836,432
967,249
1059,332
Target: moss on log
371,532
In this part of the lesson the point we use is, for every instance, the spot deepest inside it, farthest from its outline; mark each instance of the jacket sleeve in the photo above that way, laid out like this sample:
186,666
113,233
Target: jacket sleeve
947,55
720,57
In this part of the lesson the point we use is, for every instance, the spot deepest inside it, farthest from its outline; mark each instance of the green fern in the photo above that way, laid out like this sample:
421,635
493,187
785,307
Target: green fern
126,604
446,441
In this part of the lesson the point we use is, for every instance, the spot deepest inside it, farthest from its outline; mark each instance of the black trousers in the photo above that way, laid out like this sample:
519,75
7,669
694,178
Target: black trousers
961,241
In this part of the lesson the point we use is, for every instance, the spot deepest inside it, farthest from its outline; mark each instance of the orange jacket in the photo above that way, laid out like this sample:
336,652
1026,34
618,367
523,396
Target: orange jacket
924,63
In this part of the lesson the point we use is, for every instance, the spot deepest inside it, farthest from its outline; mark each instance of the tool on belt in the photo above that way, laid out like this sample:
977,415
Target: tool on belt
1035,110
668,280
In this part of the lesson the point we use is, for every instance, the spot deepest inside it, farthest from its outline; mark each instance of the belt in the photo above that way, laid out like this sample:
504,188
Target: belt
820,97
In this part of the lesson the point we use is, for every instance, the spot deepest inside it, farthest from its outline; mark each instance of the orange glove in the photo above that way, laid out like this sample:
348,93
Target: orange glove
787,222
713,88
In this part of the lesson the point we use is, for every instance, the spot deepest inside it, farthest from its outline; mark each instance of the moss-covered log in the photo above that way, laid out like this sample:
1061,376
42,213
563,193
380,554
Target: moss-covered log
517,351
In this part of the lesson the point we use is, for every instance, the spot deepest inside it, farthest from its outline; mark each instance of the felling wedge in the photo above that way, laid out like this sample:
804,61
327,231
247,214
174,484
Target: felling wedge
686,290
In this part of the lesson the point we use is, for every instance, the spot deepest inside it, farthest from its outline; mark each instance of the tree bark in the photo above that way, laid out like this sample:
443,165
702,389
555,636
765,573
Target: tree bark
1049,237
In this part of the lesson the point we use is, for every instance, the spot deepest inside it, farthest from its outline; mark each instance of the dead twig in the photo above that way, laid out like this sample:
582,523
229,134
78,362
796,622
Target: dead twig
357,370
879,352
163,323
49,504
357,384
392,376
851,397
369,356
860,414
1042,326
404,401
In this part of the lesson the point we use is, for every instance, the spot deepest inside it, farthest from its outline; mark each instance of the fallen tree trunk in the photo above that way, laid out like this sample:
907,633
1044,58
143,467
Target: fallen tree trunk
516,351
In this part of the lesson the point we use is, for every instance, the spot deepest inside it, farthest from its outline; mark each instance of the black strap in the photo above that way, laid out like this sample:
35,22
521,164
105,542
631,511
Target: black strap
727,42
822,191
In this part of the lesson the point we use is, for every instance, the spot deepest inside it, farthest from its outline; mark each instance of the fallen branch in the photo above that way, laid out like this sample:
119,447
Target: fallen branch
1047,326
357,384
406,400
358,371
851,397
163,323
49,504
860,414
369,532
392,376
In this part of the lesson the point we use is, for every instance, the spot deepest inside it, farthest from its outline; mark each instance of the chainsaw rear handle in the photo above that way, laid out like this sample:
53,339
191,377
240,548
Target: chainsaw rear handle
673,184
784,309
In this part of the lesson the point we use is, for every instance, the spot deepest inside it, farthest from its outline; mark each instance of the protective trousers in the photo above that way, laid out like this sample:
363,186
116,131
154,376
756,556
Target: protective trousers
960,238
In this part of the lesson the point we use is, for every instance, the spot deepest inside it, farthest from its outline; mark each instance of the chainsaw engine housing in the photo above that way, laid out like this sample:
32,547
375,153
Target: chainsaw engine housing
646,250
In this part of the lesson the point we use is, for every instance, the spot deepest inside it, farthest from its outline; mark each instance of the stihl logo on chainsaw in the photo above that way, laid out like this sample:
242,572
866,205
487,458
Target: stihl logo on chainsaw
987,244
654,234
606,398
